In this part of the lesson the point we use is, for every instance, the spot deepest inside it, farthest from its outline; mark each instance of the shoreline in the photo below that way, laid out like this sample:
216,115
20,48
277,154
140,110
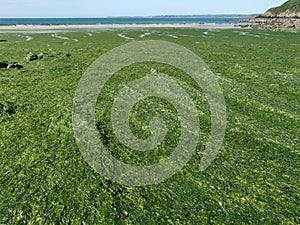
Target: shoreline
275,23
109,26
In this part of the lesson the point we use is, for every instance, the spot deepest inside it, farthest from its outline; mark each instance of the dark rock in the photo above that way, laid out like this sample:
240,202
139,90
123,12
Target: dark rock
3,64
31,57
10,110
7,108
287,187
15,65
3,40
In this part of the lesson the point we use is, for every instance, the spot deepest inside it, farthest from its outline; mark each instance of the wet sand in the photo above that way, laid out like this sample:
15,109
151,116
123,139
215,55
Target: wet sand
109,26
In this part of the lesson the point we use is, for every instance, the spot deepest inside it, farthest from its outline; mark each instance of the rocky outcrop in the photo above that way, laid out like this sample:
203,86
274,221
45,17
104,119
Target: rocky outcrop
31,57
7,65
275,23
286,16
7,108
28,58
3,64
15,65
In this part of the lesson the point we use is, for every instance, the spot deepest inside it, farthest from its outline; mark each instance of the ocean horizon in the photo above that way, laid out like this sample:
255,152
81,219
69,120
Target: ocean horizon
172,19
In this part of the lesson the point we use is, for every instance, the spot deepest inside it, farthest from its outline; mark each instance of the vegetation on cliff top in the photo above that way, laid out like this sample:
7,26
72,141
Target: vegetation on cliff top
290,8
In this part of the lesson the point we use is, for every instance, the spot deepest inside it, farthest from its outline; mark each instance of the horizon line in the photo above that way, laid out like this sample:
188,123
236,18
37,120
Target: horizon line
152,16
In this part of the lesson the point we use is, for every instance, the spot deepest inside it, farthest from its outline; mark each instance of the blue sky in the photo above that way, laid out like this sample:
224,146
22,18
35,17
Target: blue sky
101,8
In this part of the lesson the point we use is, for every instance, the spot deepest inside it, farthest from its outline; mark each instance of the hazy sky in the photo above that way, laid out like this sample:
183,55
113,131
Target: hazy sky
101,8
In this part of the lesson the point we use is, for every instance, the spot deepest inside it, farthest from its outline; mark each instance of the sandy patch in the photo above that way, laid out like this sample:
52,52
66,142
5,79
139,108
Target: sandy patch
125,37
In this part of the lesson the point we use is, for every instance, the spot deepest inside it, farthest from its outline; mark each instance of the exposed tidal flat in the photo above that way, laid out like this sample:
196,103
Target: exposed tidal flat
254,179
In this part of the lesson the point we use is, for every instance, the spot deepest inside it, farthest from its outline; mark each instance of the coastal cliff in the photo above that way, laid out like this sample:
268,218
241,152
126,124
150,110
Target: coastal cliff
290,9
286,16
